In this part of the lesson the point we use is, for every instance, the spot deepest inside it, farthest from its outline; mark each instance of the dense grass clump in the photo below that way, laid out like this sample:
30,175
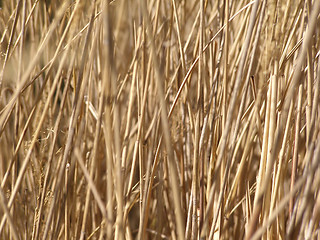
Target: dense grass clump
177,119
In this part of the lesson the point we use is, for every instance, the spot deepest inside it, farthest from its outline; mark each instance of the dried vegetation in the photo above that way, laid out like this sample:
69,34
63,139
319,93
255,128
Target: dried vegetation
180,119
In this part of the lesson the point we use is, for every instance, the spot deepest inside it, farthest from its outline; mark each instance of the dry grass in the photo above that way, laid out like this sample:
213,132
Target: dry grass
159,119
